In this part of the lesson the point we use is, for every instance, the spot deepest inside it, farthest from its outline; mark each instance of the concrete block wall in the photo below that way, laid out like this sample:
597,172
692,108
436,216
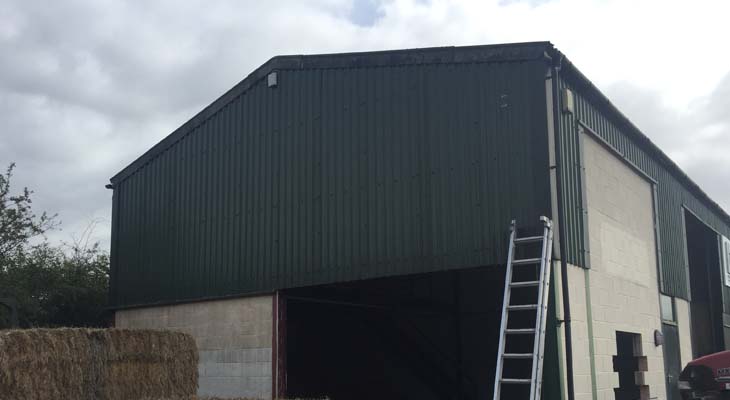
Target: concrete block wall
683,325
620,292
579,325
234,339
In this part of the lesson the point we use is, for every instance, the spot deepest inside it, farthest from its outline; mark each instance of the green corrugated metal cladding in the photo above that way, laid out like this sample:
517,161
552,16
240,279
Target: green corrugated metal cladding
353,166
366,165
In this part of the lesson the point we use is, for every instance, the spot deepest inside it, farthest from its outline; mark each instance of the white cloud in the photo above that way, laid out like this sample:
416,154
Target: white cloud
87,86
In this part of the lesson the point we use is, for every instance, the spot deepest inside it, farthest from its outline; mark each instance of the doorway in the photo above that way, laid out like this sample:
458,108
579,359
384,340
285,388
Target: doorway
630,364
705,278
428,337
672,358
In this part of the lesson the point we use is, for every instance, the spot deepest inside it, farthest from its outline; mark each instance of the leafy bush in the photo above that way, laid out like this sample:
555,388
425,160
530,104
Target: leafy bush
63,285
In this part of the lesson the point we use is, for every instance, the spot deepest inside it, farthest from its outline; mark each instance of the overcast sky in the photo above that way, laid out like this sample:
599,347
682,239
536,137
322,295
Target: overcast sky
88,86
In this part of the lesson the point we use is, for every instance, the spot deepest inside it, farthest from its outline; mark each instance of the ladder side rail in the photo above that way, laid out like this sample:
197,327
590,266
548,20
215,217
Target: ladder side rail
541,317
505,303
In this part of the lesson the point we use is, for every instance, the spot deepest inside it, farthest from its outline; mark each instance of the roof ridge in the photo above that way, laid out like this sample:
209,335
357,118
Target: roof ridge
502,52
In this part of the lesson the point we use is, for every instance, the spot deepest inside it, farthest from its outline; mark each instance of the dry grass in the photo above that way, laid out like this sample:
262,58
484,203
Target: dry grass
97,364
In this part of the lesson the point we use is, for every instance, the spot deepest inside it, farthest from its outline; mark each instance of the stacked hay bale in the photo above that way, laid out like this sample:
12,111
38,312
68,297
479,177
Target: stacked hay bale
97,364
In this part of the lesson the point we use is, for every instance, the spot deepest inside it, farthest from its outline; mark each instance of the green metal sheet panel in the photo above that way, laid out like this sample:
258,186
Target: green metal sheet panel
336,174
572,190
674,190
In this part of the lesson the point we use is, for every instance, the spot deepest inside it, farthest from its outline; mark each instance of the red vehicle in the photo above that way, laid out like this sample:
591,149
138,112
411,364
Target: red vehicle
706,378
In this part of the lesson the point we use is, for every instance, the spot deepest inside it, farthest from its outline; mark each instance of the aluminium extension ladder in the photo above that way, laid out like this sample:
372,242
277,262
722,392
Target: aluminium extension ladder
516,370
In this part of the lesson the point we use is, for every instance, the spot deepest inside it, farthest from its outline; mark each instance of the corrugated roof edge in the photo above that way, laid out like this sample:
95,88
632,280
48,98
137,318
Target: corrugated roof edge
641,138
430,55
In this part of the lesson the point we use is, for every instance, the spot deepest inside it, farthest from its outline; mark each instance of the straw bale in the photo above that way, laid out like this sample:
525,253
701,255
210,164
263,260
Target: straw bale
229,398
224,398
97,364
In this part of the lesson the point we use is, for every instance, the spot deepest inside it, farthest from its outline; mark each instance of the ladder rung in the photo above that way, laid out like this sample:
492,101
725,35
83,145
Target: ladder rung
542,283
518,355
529,239
525,261
525,331
516,380
524,283
518,307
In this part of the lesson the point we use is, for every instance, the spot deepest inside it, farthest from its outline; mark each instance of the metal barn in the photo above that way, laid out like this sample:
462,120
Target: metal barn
338,225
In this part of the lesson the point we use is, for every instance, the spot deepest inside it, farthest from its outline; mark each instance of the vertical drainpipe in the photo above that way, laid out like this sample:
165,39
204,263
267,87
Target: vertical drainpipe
557,62
113,293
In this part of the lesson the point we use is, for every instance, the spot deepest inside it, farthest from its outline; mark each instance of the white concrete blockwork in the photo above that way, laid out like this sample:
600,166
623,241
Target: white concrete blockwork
620,292
684,323
234,340
579,326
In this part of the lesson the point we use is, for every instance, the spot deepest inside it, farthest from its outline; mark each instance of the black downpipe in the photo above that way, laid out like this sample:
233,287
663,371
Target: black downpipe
561,233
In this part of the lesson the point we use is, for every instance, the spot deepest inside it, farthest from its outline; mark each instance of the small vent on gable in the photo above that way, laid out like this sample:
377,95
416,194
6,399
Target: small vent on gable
272,80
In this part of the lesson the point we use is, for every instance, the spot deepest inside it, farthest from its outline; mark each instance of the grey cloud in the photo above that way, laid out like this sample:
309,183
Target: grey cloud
644,107
718,105
87,86
697,138
80,55
365,12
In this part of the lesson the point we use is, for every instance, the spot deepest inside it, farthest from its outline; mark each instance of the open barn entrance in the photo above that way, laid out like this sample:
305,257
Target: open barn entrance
428,336
705,278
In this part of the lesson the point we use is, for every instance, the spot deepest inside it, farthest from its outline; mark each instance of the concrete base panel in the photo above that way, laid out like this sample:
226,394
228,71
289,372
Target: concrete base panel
684,323
234,339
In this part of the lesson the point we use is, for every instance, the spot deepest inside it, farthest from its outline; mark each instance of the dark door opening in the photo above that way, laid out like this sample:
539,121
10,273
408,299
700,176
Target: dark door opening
705,276
429,336
630,364
670,350
672,364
